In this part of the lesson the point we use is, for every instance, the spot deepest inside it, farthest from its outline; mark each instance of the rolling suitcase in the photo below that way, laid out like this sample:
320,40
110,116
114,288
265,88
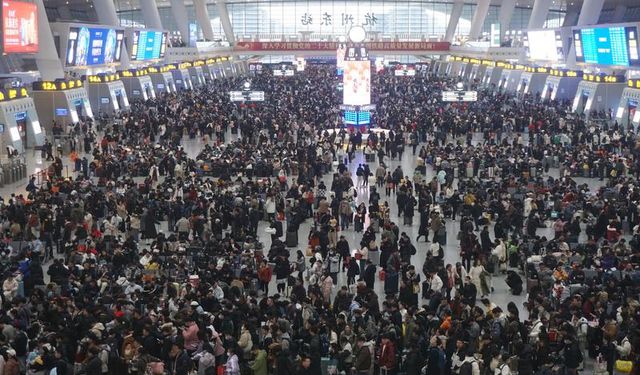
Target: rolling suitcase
292,239
532,283
442,236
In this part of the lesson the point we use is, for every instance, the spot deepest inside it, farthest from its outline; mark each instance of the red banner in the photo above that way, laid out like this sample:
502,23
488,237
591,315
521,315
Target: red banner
333,46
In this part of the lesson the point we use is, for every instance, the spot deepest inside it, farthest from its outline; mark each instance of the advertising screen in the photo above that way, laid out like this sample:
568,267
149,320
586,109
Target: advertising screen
357,83
544,45
19,27
93,46
607,45
342,49
148,45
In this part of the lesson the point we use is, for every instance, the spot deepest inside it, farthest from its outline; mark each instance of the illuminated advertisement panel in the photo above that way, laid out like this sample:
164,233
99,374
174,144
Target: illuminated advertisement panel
357,83
20,27
93,46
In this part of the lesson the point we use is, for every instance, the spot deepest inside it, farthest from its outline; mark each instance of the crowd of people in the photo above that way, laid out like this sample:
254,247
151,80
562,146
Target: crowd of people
285,243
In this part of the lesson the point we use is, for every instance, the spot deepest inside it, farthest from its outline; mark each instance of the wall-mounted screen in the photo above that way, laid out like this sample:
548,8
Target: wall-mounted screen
19,27
148,45
357,82
544,45
607,45
93,46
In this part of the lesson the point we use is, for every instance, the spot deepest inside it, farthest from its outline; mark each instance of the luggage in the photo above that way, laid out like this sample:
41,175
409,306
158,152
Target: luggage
532,283
382,275
408,220
292,239
441,236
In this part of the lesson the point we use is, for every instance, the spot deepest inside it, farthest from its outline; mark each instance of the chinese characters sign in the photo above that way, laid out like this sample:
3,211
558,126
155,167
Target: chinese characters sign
333,46
345,19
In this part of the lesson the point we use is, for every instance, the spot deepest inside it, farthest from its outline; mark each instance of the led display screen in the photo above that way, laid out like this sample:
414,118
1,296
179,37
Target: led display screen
607,45
19,27
93,46
544,45
148,45
357,83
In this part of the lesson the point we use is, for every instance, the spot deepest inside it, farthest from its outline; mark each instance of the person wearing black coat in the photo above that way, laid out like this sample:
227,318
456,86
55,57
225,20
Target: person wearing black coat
436,358
572,355
469,292
93,365
369,274
414,361
423,229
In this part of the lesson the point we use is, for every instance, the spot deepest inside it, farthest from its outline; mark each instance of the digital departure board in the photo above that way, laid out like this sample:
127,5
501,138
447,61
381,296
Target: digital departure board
616,46
148,45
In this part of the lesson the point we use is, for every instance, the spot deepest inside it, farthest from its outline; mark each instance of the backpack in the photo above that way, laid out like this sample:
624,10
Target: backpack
467,368
496,329
114,361
324,344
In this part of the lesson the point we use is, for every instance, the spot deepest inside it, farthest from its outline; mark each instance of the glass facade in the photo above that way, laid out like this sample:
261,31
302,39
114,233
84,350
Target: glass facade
405,19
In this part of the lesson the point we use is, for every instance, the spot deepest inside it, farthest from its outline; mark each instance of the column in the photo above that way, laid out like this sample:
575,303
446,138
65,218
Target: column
539,14
202,15
179,11
226,21
150,14
590,12
504,17
618,13
477,22
47,58
106,11
456,12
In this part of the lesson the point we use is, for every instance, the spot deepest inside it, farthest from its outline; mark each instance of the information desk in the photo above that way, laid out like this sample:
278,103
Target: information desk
532,83
20,124
492,76
627,113
64,106
163,82
107,94
182,79
592,96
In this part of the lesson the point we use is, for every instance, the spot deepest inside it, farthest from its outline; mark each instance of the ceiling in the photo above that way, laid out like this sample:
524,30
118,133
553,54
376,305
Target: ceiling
82,5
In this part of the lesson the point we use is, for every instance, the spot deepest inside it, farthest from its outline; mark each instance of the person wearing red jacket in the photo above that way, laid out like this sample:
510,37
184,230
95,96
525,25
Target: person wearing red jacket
387,356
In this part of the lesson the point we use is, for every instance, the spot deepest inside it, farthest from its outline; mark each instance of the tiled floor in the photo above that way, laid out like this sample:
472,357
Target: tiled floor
500,296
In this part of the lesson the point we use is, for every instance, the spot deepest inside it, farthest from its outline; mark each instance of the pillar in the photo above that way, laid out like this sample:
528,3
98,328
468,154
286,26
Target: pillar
477,21
456,12
106,11
539,14
225,21
202,15
507,8
590,12
179,11
618,13
47,58
150,14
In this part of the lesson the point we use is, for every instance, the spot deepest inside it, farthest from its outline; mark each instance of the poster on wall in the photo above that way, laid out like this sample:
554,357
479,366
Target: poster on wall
93,46
357,83
19,27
